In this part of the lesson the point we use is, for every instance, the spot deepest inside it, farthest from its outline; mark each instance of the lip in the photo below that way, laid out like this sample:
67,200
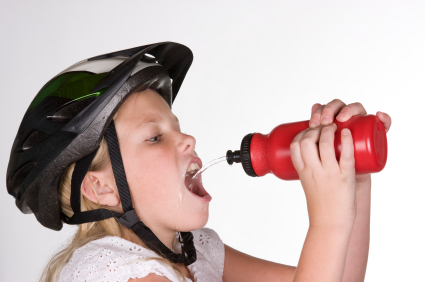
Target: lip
194,160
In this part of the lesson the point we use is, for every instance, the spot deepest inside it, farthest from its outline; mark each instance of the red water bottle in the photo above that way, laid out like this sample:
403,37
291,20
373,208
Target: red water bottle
261,154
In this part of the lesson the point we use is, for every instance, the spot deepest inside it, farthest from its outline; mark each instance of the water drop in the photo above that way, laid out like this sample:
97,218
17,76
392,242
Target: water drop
177,208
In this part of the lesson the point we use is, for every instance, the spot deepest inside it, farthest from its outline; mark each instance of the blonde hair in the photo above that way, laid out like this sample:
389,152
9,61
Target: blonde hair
88,232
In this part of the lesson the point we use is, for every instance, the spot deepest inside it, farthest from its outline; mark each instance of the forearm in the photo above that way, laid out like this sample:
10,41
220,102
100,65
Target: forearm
323,254
358,248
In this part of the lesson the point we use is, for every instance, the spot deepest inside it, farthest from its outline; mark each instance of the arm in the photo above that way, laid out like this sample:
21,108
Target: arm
329,187
358,249
323,254
239,266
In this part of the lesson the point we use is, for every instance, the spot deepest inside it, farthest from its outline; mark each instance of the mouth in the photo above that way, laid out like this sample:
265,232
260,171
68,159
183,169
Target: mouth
197,189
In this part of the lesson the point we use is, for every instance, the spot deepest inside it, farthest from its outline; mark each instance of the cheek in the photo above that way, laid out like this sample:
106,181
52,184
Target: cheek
154,184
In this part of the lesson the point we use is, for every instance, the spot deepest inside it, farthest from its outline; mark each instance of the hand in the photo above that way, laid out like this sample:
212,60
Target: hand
325,114
329,186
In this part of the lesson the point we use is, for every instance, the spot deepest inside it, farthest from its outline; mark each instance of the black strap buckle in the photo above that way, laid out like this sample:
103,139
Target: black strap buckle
129,218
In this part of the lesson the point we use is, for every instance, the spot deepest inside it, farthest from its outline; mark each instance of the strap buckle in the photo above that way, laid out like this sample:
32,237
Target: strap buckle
129,218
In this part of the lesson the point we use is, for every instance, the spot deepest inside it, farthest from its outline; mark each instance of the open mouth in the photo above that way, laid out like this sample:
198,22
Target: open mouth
197,189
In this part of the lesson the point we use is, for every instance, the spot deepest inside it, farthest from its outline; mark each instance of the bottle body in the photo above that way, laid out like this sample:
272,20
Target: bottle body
271,153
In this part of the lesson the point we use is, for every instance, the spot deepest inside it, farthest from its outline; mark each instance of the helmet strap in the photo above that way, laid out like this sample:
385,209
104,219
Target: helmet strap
130,218
80,171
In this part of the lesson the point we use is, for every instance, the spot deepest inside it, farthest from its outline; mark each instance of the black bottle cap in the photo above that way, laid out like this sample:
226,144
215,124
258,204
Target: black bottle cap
243,156
233,157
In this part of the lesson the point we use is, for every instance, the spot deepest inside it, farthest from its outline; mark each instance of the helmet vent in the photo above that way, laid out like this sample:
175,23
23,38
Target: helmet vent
70,110
148,58
33,139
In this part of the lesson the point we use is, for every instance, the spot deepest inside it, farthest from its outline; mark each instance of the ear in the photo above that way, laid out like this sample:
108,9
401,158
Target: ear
99,187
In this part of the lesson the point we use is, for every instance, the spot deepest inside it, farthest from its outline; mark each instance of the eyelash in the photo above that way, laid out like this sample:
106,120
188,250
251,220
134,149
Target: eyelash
155,137
160,135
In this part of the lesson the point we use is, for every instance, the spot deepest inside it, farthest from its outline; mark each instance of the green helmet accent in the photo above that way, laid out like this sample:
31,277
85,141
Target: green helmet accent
71,86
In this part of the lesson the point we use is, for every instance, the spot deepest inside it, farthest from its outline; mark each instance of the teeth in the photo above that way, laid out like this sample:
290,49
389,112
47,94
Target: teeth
193,167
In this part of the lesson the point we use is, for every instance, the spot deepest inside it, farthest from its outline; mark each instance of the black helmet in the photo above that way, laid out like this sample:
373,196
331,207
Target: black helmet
65,124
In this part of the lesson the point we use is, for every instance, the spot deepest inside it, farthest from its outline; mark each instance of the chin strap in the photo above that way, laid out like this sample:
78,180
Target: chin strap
129,219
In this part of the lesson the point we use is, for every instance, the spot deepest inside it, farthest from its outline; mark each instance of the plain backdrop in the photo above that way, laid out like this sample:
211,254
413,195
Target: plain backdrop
257,64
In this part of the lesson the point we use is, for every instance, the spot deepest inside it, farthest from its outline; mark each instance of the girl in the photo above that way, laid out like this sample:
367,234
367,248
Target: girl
100,147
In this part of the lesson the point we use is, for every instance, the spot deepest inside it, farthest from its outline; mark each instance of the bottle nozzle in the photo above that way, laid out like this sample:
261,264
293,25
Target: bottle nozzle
243,156
233,157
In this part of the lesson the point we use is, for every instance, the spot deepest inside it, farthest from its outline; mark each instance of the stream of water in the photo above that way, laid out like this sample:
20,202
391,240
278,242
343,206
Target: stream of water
204,168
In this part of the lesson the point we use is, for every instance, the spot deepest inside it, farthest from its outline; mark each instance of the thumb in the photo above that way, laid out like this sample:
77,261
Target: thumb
346,161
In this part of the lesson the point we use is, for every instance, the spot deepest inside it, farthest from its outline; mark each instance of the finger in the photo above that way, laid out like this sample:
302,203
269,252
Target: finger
346,161
295,149
386,120
314,108
326,146
330,111
350,110
309,150
315,116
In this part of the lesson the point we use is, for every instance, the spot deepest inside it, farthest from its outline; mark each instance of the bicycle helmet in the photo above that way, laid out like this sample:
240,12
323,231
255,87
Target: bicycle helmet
66,122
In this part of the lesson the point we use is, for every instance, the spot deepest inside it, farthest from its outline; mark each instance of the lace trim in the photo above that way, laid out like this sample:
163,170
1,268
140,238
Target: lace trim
115,259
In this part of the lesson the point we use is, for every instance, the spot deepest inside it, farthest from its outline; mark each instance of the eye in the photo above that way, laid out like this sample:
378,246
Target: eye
156,137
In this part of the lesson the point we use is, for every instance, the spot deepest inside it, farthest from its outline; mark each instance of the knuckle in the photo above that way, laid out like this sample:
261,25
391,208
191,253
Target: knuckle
339,101
348,168
346,108
319,109
348,159
294,146
344,111
334,173
316,104
358,105
305,172
325,143
305,142
329,128
316,114
327,108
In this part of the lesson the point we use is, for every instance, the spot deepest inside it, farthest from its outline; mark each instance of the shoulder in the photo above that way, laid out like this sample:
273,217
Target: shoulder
210,249
207,239
206,232
113,258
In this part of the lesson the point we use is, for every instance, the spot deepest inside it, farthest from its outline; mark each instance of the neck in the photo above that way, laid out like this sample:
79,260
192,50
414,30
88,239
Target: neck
165,236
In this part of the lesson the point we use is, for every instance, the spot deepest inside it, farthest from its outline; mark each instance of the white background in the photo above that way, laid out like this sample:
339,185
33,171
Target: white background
257,64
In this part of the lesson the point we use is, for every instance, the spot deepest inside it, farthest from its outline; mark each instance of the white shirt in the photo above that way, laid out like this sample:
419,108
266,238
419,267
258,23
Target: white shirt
115,259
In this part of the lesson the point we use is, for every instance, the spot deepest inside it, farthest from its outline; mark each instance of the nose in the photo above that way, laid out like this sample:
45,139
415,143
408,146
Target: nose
187,143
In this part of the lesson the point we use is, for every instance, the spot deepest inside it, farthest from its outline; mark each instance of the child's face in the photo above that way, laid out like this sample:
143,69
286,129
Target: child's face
156,166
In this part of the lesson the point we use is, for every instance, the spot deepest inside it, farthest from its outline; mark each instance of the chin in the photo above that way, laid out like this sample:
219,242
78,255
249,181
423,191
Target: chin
195,221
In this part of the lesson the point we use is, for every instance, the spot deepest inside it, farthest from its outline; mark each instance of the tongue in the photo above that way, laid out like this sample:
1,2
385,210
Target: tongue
188,180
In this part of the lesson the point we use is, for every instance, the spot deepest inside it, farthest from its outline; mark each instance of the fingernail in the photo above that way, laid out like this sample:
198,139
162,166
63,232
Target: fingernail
341,114
325,120
313,123
344,131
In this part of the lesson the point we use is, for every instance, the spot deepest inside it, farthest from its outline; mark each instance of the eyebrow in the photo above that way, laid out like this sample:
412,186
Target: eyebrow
153,120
